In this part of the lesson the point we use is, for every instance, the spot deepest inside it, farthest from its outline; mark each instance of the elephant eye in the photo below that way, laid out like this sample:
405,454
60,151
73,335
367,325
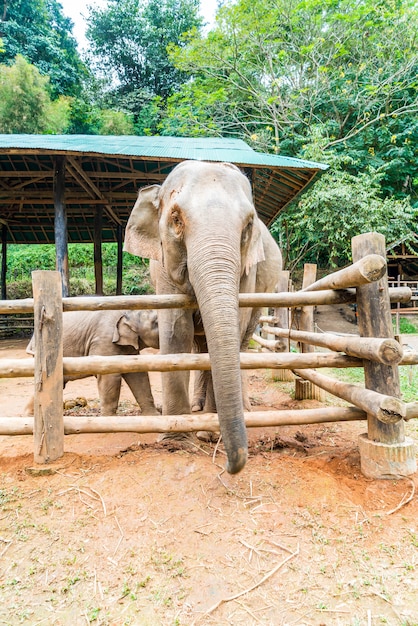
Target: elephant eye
246,233
177,222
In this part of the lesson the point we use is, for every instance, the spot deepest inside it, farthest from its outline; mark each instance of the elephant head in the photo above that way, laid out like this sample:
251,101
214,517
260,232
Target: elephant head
138,329
202,229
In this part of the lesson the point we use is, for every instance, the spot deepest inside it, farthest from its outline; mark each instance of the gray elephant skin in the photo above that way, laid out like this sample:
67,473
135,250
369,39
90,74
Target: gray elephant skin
202,232
110,333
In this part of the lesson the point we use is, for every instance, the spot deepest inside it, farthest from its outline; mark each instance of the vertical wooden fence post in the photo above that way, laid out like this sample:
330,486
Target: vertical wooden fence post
282,315
304,389
60,223
48,428
385,452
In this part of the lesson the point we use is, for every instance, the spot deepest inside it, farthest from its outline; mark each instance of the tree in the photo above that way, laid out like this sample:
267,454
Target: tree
129,41
39,31
319,226
25,90
280,67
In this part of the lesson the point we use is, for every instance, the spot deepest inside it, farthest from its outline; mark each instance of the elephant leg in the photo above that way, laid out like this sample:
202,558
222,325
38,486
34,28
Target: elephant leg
176,336
138,383
209,406
109,393
245,395
29,409
199,391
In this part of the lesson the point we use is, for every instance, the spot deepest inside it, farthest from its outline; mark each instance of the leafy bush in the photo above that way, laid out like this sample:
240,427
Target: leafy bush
23,260
406,327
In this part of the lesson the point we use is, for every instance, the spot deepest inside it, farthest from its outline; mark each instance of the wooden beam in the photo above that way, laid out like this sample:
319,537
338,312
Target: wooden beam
374,320
119,268
74,424
366,270
98,260
60,223
387,351
386,409
3,261
48,412
25,305
94,189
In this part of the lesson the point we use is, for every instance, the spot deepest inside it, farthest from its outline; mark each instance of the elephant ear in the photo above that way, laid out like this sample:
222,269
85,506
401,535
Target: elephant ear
255,248
124,334
142,236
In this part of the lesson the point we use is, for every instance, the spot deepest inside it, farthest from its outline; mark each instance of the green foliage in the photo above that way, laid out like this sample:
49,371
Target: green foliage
23,89
406,327
23,260
408,376
318,228
39,31
129,43
115,123
278,68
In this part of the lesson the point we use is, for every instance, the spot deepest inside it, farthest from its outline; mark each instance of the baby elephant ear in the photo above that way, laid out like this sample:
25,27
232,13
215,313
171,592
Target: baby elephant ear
124,334
142,236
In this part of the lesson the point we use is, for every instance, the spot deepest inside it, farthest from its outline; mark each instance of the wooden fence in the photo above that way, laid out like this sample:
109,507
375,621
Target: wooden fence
385,451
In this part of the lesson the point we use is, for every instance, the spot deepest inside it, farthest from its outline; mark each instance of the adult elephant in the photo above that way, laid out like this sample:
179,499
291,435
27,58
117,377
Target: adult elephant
110,333
203,234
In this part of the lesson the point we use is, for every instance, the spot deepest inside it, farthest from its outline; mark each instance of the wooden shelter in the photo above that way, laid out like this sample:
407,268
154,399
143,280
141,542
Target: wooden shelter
80,189
402,258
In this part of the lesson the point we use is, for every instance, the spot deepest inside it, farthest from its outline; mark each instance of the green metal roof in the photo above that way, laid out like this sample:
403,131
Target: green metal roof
108,170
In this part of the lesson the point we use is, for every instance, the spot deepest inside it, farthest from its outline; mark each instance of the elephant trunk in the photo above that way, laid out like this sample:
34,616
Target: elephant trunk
214,273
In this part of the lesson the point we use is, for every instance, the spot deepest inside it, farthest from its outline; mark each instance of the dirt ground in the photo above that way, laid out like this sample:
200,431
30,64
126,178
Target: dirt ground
128,531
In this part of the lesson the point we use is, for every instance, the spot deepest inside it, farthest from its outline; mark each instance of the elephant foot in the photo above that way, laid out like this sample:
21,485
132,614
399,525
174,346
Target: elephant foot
208,436
150,411
177,441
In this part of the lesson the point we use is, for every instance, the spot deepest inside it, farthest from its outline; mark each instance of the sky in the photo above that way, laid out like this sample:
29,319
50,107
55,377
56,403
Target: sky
77,9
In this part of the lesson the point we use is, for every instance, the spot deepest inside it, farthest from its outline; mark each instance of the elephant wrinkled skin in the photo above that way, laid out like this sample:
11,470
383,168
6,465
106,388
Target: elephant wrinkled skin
204,237
110,333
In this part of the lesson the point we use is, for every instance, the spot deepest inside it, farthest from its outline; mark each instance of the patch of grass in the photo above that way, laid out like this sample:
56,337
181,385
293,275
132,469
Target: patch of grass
406,327
408,377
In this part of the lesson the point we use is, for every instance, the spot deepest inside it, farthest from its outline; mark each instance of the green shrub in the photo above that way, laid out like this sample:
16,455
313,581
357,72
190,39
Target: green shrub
406,327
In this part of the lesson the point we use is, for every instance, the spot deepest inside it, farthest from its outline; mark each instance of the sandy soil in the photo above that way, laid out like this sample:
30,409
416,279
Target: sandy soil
128,531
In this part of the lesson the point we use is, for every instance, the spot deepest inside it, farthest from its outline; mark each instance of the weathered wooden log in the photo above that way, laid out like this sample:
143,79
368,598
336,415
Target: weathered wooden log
366,270
411,410
410,357
375,349
387,409
306,316
60,223
290,299
48,422
305,389
178,362
76,424
21,368
274,346
374,320
90,365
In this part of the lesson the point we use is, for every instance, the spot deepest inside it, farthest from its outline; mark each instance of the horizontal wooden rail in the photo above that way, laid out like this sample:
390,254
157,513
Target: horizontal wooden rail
386,409
283,299
368,269
183,423
90,365
380,350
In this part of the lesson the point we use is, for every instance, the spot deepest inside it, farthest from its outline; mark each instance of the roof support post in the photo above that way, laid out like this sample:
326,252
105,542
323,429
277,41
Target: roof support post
119,236
98,261
3,261
60,224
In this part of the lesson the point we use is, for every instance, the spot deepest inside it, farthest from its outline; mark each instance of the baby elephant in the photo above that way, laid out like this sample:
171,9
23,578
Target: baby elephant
110,333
